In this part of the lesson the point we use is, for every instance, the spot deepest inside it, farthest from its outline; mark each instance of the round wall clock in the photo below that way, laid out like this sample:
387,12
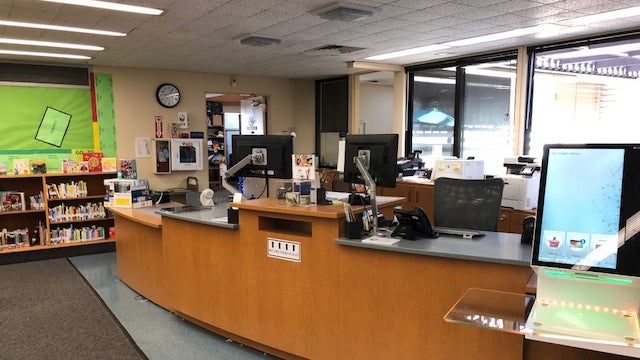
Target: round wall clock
168,95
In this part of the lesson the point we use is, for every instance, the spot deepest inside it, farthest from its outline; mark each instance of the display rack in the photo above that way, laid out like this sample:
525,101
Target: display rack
37,217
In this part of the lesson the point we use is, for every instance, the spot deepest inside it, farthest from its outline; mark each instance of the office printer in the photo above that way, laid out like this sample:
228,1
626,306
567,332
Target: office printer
521,183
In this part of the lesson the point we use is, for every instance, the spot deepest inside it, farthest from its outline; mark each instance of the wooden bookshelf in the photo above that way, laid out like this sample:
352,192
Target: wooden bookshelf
34,184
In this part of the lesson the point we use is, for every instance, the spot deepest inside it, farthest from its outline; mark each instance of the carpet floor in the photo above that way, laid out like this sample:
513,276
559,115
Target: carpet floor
48,311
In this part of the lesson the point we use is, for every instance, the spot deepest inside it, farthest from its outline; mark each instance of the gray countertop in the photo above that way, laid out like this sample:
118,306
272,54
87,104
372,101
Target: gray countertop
504,248
217,216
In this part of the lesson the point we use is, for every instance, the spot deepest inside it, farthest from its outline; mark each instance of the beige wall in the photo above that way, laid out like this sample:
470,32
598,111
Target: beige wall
290,108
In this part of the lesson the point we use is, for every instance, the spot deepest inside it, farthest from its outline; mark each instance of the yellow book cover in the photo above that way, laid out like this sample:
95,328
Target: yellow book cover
109,164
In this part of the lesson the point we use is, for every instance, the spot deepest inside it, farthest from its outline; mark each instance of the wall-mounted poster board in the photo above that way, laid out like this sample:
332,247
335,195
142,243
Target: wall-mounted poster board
186,154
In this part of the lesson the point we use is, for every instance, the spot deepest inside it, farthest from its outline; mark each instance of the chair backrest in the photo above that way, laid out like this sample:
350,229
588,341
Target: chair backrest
467,204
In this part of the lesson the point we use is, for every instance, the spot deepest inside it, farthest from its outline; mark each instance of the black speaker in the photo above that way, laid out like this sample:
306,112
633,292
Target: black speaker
527,230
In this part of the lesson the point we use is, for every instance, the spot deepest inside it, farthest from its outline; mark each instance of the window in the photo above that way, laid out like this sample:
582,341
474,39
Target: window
464,108
584,92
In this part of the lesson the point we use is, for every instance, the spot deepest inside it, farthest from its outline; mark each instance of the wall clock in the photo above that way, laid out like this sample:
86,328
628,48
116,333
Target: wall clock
168,95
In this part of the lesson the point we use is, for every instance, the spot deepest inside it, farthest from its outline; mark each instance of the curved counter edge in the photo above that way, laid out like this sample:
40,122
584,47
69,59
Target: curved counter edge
494,247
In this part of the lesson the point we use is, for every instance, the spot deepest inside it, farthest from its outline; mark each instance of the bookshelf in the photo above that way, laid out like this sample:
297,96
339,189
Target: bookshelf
215,147
75,216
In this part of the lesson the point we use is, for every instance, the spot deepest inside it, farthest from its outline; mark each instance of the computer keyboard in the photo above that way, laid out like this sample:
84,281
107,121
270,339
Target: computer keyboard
465,233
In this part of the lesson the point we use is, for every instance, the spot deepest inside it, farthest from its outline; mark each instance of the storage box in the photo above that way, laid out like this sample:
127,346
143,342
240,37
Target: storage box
127,193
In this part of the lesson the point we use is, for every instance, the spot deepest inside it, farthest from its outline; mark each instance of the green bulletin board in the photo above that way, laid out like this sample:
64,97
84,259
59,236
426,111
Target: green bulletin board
26,111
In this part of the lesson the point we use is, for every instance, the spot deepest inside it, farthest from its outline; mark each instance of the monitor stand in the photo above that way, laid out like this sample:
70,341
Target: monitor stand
588,308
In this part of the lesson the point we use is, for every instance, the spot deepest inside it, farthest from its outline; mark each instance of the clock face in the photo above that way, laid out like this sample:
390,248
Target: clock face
168,95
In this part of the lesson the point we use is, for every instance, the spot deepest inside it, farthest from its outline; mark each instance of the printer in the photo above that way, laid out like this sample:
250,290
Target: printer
521,183
458,168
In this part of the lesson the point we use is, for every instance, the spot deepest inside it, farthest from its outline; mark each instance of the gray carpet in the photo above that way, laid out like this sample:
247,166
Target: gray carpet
48,311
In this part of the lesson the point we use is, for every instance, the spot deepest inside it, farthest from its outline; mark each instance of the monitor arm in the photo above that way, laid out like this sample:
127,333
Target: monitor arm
372,192
249,159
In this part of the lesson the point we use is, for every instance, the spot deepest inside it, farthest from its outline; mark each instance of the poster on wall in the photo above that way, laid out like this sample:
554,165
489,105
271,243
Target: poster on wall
252,116
53,126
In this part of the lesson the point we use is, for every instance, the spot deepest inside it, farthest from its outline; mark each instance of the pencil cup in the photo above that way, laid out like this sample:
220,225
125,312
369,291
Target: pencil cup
353,230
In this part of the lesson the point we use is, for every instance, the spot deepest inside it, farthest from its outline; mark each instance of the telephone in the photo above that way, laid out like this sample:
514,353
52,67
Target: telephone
412,223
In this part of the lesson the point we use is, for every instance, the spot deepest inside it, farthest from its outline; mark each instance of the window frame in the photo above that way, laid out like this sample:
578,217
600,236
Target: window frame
459,64
532,51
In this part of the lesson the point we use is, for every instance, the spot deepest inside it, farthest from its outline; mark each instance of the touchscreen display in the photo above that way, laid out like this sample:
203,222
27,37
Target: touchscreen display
582,213
589,197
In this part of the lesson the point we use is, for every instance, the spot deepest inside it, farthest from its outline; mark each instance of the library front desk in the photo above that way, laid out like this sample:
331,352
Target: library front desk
287,282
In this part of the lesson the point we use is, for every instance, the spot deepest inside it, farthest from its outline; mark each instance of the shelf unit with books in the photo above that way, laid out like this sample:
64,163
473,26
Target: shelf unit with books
84,221
215,147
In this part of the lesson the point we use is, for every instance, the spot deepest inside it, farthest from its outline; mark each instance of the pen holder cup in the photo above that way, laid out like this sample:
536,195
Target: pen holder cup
353,230
232,216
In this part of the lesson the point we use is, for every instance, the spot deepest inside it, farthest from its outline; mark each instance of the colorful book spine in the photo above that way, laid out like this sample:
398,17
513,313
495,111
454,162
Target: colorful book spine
89,211
76,234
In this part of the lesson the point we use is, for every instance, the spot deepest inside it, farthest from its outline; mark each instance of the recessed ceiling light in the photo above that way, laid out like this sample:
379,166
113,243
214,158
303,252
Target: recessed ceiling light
59,28
43,54
111,6
343,13
413,51
259,41
50,44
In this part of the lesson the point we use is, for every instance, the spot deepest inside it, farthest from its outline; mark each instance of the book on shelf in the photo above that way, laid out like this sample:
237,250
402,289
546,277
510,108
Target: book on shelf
74,189
69,166
38,166
109,164
36,202
127,169
21,167
83,166
12,201
11,239
94,161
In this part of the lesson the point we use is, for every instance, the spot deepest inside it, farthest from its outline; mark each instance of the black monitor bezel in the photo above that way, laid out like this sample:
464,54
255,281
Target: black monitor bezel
628,257
386,152
280,163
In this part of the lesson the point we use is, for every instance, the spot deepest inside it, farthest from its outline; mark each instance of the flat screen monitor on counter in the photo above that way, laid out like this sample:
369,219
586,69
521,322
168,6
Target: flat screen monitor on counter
380,152
588,215
271,155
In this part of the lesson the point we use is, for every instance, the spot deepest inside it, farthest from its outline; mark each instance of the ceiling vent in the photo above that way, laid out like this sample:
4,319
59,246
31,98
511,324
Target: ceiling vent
335,49
259,41
346,13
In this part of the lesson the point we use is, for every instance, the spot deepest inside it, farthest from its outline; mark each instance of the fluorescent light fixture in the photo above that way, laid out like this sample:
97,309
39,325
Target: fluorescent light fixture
59,28
43,54
259,41
344,13
50,44
434,80
502,35
111,6
413,51
609,15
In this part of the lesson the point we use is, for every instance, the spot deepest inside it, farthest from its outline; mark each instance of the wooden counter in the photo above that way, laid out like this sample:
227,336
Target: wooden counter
139,252
338,302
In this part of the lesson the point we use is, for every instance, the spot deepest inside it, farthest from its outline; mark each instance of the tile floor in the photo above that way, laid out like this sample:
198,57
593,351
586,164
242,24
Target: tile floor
160,334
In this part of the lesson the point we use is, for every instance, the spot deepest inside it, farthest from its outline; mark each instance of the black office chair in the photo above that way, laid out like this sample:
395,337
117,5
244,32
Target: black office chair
467,204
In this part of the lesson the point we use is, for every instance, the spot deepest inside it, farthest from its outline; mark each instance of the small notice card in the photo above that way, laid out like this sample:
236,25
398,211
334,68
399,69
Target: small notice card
53,126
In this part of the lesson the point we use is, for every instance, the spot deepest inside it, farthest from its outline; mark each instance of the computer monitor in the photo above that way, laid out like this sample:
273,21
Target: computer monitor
273,155
380,152
588,215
